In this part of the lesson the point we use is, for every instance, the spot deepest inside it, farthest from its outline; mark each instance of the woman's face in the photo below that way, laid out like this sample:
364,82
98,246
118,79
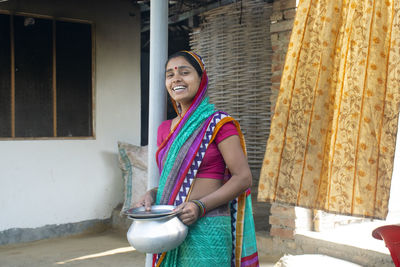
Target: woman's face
181,80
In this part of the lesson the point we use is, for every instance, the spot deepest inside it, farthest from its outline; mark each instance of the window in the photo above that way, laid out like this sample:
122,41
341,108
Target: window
46,74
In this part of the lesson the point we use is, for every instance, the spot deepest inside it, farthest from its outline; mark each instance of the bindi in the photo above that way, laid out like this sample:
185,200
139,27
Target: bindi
176,67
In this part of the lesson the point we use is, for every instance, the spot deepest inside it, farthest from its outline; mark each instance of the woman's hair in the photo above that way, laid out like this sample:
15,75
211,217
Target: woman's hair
188,56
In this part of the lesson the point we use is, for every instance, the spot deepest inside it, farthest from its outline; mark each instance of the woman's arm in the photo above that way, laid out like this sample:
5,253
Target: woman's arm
241,179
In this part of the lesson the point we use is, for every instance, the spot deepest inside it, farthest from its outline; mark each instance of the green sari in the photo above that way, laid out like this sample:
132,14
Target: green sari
226,235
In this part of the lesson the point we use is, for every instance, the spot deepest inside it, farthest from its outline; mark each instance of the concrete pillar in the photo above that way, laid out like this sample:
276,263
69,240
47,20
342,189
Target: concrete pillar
157,94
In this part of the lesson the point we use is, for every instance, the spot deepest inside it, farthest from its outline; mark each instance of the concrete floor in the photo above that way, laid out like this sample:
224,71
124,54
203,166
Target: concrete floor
109,248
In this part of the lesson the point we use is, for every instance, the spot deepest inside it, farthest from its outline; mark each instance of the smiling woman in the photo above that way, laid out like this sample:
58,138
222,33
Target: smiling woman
204,172
181,81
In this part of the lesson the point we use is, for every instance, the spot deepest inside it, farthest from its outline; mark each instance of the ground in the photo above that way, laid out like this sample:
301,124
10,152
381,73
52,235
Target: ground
109,248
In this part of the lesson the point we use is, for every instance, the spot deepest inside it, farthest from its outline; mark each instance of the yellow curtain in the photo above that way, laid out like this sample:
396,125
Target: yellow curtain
333,134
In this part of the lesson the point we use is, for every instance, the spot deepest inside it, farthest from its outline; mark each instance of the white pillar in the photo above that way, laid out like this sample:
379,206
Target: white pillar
157,94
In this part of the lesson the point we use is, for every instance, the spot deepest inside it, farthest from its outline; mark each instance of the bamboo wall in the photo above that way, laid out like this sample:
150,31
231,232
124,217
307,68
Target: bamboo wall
234,41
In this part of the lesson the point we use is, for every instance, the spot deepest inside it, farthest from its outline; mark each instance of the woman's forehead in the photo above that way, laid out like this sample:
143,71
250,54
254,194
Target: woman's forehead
178,61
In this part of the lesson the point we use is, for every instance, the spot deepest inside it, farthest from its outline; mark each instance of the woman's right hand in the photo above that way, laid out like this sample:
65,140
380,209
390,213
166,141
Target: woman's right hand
147,199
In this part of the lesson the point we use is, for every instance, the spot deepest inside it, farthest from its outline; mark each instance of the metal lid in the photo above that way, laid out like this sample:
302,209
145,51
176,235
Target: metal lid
155,212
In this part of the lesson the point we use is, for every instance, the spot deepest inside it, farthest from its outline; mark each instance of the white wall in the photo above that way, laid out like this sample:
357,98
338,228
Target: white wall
65,181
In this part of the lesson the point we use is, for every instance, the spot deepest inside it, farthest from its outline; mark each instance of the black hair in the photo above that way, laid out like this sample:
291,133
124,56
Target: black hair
189,58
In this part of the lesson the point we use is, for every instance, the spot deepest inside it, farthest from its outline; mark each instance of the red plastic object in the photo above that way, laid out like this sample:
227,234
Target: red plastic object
391,235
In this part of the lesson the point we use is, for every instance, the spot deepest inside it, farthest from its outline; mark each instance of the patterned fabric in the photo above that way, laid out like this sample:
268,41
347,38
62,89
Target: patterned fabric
214,238
333,133
133,163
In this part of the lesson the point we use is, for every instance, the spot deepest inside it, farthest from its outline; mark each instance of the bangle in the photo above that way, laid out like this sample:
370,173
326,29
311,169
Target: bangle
201,207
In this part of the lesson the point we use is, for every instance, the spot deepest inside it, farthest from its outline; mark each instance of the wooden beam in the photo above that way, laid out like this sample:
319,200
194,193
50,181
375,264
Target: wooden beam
185,15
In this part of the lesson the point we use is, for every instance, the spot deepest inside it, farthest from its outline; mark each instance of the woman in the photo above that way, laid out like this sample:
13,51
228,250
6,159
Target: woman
203,171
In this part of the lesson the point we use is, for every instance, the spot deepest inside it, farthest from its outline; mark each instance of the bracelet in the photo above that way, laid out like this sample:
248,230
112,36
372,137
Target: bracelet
201,206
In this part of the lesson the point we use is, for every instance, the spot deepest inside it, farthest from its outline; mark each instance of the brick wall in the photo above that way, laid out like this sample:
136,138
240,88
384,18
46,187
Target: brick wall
286,220
282,221
282,19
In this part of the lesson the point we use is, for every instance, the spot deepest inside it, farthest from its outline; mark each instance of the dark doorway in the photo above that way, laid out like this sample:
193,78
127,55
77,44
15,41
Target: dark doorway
178,39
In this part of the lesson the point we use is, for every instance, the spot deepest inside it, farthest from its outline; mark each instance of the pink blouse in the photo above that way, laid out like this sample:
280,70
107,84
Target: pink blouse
213,164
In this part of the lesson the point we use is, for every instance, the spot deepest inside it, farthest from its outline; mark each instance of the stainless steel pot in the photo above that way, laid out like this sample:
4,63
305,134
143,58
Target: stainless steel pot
158,233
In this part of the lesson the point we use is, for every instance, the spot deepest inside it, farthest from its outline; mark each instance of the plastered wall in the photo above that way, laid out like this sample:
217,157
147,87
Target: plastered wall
55,182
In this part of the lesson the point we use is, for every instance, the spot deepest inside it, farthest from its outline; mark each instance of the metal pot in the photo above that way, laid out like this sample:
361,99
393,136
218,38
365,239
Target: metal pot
158,233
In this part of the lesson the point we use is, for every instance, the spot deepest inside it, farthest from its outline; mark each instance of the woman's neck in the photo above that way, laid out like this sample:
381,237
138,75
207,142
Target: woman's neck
184,109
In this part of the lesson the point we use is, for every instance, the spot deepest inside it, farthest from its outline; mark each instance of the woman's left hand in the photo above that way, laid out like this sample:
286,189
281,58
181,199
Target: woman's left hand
189,212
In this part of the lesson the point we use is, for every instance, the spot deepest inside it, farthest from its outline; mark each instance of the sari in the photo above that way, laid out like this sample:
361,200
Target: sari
223,236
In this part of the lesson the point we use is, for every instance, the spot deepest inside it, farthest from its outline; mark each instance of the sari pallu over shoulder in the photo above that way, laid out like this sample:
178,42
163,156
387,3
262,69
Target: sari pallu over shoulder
176,183
178,159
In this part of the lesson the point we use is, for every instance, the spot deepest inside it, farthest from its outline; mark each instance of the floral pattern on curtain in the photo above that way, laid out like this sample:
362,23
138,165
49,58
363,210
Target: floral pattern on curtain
333,133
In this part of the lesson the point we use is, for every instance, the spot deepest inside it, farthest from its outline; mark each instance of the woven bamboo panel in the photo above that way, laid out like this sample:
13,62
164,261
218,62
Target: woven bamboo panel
234,42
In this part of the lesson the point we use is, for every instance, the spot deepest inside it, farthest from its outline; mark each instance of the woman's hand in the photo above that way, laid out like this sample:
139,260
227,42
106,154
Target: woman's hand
147,199
189,212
